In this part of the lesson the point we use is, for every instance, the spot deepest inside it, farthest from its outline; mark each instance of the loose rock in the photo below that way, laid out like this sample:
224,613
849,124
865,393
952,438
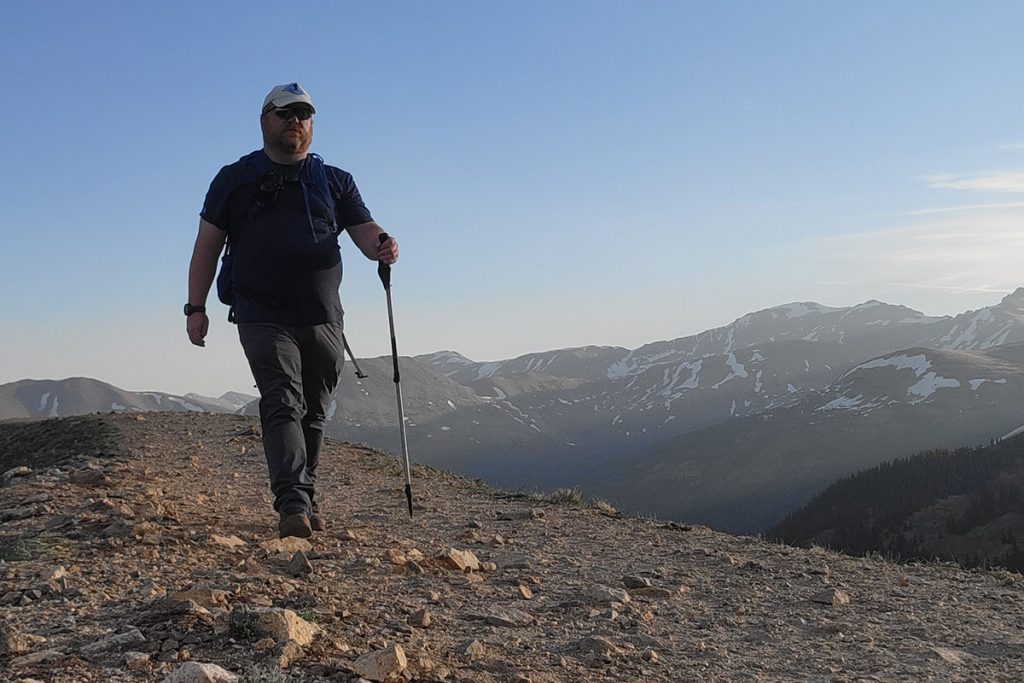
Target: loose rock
227,541
196,672
599,645
290,544
284,625
472,649
420,618
833,596
652,592
509,617
14,473
87,476
382,665
460,560
12,642
604,595
42,657
631,581
116,641
137,661
529,513
300,565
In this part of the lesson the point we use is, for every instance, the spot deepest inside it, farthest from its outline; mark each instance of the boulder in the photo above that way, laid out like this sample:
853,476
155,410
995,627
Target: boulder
283,625
459,560
382,665
197,672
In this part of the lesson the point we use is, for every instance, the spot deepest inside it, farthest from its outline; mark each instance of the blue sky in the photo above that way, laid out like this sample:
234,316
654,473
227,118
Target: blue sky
557,173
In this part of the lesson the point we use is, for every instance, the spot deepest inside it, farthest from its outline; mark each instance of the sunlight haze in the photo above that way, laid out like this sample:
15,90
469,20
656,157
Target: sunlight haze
557,174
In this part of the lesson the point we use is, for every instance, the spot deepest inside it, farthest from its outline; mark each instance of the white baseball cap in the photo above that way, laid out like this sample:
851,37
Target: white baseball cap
283,95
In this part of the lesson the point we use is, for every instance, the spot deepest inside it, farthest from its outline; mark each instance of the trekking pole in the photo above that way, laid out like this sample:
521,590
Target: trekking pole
384,271
359,373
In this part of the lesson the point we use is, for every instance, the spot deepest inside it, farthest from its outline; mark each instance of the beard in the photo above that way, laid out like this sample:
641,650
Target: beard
291,142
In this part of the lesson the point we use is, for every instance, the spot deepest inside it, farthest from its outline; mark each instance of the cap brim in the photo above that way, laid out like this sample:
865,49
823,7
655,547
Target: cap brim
286,101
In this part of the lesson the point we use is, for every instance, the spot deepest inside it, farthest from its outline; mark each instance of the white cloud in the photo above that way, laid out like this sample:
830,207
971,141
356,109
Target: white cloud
970,251
965,207
996,181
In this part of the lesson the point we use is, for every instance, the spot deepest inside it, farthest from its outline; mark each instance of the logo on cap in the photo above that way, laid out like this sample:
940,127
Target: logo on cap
294,88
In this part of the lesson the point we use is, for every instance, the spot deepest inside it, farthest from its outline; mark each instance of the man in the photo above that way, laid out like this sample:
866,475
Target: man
279,211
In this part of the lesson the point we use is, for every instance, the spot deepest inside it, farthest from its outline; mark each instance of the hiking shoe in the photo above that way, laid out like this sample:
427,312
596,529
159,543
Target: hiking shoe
317,522
296,524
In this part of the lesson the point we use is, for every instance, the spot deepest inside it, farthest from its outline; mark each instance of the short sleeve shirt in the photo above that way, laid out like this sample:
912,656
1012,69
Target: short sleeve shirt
283,270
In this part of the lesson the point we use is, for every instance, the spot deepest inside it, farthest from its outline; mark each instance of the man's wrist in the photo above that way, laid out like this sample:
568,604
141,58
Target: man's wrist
194,308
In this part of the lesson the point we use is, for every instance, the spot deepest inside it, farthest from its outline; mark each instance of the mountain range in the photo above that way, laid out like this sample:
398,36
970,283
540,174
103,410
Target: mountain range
734,427
81,395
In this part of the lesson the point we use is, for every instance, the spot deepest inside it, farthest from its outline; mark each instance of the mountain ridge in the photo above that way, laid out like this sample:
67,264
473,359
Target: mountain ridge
583,416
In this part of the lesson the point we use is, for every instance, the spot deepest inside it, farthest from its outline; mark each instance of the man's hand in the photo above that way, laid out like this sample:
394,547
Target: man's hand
387,251
366,236
197,325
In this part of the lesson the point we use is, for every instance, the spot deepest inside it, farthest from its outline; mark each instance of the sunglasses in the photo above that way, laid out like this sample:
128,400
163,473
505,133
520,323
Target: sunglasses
302,114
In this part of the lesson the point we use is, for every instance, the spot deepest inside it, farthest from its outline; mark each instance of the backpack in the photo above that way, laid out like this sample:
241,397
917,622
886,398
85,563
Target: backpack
316,192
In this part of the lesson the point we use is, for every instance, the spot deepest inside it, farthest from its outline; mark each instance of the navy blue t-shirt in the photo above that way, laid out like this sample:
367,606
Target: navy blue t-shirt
282,271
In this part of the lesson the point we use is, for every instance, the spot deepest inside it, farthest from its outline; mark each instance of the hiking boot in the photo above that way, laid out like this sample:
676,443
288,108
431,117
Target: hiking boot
317,522
296,524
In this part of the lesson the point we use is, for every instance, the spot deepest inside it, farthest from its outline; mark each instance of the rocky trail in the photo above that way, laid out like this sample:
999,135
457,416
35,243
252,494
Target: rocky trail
143,548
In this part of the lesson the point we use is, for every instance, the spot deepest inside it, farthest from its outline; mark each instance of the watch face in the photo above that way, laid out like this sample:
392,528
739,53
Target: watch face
188,309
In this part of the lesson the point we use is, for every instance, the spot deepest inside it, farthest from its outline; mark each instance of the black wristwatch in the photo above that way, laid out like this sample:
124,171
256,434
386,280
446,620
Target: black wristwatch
190,309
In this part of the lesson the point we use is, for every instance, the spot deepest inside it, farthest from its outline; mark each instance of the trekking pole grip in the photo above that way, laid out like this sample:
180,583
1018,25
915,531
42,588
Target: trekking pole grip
384,269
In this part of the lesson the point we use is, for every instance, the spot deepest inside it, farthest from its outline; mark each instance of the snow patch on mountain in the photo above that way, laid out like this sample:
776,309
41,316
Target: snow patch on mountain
488,369
929,384
997,339
975,383
967,335
843,403
918,363
797,310
736,369
185,404
631,364
1015,432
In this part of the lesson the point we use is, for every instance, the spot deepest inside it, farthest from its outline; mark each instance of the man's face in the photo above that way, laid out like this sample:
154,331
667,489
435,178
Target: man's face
290,136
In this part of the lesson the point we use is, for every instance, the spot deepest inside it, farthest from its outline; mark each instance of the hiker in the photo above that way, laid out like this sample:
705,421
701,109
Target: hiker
279,210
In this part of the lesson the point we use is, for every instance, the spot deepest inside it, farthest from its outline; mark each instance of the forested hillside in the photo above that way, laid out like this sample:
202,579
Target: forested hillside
964,505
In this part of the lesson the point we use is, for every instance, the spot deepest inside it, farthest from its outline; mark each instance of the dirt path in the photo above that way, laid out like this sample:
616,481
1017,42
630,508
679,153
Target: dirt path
121,566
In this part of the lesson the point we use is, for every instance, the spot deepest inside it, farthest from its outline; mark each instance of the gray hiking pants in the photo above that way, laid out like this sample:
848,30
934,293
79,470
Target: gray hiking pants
296,370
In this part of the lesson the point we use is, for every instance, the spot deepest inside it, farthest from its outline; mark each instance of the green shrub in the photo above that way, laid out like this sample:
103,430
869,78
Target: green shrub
242,623
566,496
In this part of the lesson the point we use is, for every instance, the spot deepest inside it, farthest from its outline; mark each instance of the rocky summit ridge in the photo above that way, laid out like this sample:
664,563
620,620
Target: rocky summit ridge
142,548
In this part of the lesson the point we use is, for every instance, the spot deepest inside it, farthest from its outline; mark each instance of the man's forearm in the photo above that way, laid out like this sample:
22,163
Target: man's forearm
366,238
203,267
201,272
